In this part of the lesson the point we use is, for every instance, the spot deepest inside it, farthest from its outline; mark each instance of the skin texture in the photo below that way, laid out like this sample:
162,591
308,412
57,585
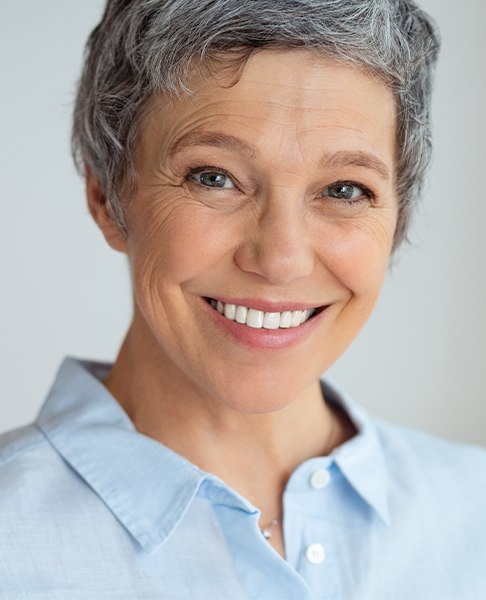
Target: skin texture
273,232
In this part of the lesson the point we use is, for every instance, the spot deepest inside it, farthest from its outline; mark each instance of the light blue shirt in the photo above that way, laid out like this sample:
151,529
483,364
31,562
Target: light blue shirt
92,509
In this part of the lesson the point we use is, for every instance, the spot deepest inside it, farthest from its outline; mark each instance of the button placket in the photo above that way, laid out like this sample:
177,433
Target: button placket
304,496
318,480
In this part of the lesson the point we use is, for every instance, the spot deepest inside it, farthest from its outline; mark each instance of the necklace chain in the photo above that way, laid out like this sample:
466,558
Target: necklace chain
267,530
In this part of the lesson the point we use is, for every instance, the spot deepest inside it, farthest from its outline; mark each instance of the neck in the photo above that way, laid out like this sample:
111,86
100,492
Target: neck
253,453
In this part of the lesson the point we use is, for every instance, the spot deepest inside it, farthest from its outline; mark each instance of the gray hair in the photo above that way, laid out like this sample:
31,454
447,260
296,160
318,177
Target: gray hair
146,47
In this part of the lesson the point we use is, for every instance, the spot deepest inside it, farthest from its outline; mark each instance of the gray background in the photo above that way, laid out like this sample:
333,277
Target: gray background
421,360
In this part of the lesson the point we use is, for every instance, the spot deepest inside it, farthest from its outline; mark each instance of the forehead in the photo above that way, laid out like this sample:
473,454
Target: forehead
282,100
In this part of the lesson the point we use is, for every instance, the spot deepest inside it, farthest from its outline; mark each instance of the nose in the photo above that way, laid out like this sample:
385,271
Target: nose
277,245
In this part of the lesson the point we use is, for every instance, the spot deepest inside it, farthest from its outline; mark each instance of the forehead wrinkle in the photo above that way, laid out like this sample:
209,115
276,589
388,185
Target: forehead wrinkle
288,149
286,124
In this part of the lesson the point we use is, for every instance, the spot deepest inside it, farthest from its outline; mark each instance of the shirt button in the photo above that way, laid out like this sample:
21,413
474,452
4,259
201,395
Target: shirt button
320,478
315,554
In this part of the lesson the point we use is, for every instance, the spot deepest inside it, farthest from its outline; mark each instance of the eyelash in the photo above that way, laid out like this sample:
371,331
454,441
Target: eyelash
367,193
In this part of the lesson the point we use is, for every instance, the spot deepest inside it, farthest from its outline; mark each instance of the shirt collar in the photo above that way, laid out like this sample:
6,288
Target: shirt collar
361,459
147,486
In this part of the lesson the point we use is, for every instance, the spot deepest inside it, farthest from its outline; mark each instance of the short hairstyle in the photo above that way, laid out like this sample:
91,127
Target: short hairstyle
142,48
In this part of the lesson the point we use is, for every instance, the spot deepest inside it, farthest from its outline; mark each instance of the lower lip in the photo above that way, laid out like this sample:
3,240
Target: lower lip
266,338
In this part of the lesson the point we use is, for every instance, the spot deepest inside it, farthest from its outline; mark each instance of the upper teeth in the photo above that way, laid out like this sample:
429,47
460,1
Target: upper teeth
259,319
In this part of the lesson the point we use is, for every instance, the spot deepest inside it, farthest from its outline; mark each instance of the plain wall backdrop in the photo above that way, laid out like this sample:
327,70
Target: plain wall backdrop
420,361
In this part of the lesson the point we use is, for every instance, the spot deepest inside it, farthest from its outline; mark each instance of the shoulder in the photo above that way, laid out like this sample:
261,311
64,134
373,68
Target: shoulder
413,447
18,445
43,500
434,474
26,465
30,468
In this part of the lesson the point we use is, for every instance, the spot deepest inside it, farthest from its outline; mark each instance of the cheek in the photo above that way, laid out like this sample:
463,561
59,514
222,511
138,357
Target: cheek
357,253
175,240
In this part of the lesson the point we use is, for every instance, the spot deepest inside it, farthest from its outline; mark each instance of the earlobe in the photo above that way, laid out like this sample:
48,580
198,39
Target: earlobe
102,214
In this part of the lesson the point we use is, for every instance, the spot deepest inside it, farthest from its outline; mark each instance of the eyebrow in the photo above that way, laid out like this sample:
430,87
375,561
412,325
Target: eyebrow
214,140
339,159
357,158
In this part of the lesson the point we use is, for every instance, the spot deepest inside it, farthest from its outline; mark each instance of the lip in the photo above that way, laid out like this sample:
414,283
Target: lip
266,339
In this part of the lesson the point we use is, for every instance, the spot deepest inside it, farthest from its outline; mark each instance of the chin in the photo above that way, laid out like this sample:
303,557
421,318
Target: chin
261,393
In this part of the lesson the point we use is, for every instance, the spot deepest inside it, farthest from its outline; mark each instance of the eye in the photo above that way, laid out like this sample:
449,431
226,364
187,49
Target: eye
347,191
211,178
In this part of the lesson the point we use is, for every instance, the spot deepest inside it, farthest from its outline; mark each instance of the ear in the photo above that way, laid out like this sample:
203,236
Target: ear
102,213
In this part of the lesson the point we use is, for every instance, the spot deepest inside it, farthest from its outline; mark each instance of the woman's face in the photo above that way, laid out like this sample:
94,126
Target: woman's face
276,194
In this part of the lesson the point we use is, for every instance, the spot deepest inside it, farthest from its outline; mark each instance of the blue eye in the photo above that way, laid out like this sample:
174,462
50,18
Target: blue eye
344,190
212,179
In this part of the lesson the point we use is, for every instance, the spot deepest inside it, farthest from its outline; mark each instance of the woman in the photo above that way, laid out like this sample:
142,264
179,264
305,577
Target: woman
258,164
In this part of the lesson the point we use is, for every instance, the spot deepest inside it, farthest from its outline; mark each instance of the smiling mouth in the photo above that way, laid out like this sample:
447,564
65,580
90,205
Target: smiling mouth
258,319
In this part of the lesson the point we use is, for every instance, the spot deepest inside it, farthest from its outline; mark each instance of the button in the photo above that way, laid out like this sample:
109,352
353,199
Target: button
315,554
320,478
